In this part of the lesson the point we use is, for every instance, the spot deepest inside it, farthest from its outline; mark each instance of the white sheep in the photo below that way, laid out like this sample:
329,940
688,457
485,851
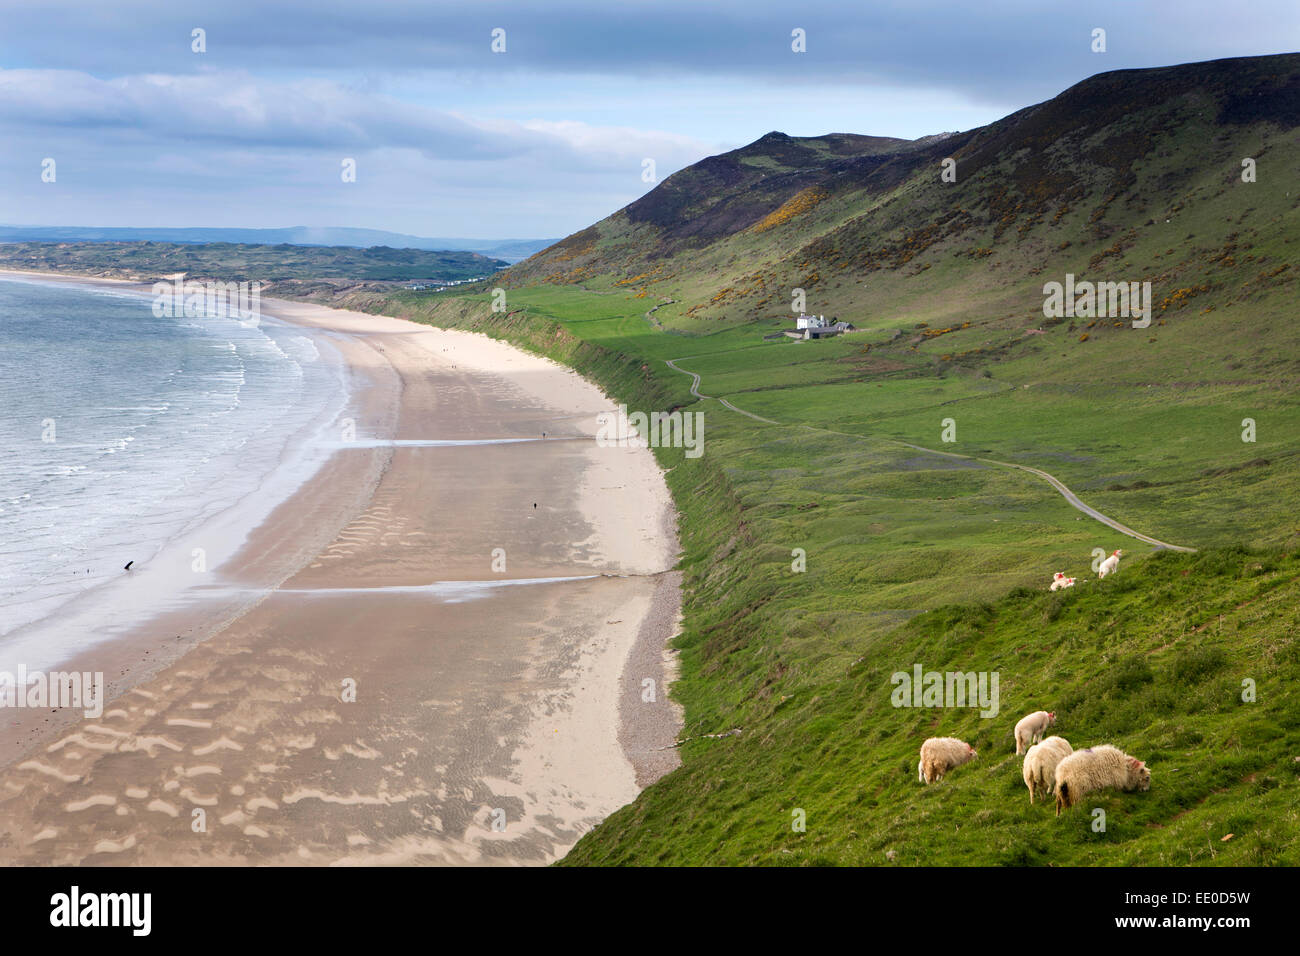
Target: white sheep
1110,565
1030,729
941,754
1039,769
1097,768
1059,581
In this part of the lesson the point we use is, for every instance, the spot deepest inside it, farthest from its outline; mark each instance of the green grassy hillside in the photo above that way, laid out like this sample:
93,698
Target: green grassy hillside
925,551
1151,660
1132,176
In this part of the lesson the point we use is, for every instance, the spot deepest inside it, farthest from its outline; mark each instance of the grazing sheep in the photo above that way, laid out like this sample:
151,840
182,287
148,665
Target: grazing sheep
941,754
1039,769
1097,768
1110,565
1059,581
1030,729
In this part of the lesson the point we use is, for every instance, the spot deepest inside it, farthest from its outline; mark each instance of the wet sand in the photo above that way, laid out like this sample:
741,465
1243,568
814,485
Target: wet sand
492,723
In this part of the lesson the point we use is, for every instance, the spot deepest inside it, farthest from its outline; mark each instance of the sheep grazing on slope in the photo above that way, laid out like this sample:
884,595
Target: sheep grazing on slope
1030,729
1110,565
941,754
1059,581
1039,769
1098,768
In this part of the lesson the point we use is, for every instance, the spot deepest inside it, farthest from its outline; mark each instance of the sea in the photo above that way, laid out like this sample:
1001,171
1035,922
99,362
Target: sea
126,436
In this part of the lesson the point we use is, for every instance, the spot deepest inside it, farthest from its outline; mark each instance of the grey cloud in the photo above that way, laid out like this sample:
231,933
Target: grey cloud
1022,49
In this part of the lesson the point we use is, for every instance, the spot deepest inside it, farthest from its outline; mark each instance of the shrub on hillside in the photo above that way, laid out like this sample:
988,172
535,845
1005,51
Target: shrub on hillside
1193,664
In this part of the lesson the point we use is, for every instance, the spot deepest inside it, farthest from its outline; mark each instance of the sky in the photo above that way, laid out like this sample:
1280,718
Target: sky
537,138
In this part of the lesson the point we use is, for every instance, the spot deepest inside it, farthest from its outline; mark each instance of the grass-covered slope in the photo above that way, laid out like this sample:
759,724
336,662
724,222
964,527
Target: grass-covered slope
1152,660
1134,175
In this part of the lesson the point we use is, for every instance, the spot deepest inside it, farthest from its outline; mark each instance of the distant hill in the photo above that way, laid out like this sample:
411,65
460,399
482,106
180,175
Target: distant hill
510,250
1129,175
147,261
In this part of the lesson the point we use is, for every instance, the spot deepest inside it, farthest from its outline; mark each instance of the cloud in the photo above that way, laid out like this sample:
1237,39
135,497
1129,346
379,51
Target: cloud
452,138
217,145
991,50
242,110
234,109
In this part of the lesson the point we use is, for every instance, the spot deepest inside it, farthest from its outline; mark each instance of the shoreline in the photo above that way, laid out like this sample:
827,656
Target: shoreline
559,745
144,642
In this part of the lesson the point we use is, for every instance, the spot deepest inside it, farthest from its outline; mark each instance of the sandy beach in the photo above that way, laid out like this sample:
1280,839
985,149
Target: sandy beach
430,654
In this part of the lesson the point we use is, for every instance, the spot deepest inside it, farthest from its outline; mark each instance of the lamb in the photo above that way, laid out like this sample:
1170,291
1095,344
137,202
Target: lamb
1039,769
1059,580
1030,729
1110,565
1098,768
941,754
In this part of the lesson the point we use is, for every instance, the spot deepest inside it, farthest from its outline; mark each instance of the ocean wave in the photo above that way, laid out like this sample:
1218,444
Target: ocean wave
159,425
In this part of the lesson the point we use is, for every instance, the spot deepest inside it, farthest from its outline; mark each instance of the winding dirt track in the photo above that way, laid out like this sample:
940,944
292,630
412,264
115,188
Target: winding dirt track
695,390
1055,482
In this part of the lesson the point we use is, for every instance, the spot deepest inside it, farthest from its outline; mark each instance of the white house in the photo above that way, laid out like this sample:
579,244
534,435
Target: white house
810,322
